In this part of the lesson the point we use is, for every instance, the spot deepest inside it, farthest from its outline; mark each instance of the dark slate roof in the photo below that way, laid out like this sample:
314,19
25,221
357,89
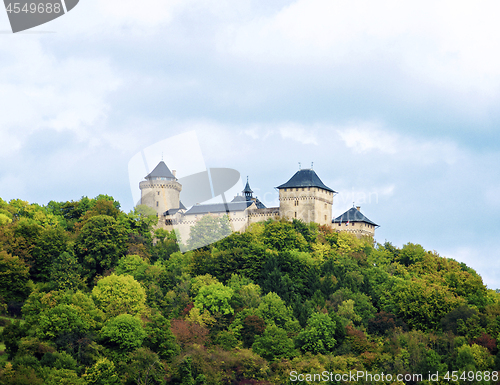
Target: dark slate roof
219,207
161,171
241,198
305,178
353,215
174,211
247,188
171,212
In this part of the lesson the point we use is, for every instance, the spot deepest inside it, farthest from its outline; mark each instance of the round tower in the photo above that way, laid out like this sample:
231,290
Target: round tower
160,190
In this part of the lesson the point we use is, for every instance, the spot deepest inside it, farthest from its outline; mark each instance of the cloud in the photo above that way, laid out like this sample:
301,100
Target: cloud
298,134
444,43
39,91
367,137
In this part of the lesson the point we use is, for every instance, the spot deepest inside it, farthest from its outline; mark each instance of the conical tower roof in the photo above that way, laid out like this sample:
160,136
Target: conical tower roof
247,188
161,171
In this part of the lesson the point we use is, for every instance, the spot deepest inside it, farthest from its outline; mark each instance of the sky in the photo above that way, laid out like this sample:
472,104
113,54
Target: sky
396,104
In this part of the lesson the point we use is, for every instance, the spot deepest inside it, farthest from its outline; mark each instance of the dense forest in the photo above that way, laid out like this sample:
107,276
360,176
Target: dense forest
92,295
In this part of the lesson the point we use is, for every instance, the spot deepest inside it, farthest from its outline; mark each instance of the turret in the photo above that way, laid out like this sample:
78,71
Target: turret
161,189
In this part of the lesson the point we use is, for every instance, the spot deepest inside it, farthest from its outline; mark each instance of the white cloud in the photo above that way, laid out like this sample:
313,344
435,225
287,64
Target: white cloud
299,134
367,137
39,91
445,43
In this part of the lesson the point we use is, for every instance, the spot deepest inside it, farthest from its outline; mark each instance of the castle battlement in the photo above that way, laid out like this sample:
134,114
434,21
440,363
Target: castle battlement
304,197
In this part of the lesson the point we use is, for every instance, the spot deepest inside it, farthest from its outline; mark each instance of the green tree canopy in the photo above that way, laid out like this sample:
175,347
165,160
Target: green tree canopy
124,332
119,294
207,230
319,335
215,298
101,242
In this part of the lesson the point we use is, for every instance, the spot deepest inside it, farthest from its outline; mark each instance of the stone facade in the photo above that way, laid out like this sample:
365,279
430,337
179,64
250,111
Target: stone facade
303,197
308,204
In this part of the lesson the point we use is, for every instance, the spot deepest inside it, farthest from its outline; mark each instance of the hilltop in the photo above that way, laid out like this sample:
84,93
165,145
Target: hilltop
105,299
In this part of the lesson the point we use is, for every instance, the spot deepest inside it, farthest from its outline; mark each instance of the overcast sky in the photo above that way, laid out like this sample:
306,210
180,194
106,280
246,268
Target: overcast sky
395,103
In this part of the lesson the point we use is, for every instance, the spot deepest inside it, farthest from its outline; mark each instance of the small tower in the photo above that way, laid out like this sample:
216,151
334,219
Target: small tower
353,221
160,190
306,197
248,191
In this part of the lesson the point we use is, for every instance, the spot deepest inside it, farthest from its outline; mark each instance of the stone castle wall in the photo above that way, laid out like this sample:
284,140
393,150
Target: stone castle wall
161,195
309,204
356,228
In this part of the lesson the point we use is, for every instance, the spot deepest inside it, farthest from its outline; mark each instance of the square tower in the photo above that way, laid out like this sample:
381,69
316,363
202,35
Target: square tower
306,197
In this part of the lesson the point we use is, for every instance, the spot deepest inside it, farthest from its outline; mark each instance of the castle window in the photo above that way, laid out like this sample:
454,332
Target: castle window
295,214
156,204
325,217
158,193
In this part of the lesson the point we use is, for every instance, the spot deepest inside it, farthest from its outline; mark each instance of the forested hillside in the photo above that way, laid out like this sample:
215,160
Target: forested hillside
89,295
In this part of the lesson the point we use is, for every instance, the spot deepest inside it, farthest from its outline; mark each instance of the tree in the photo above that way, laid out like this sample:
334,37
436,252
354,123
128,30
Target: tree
65,273
252,326
59,321
124,332
274,310
208,230
100,243
144,367
319,335
160,338
11,336
273,344
420,303
215,298
411,254
281,235
14,278
103,372
51,243
119,294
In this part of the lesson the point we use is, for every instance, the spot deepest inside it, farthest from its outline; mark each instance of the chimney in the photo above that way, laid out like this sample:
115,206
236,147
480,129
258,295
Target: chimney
173,172
358,208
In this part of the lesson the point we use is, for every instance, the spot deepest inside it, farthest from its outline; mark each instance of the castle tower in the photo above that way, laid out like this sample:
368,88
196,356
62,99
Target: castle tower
248,191
353,221
160,190
306,197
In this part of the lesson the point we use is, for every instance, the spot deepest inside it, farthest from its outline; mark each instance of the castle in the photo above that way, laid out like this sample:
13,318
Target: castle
304,197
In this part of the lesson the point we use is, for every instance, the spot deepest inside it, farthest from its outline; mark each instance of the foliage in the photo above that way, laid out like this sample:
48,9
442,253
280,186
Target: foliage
103,372
65,273
99,245
319,335
105,294
273,344
124,332
13,278
119,294
208,230
215,298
